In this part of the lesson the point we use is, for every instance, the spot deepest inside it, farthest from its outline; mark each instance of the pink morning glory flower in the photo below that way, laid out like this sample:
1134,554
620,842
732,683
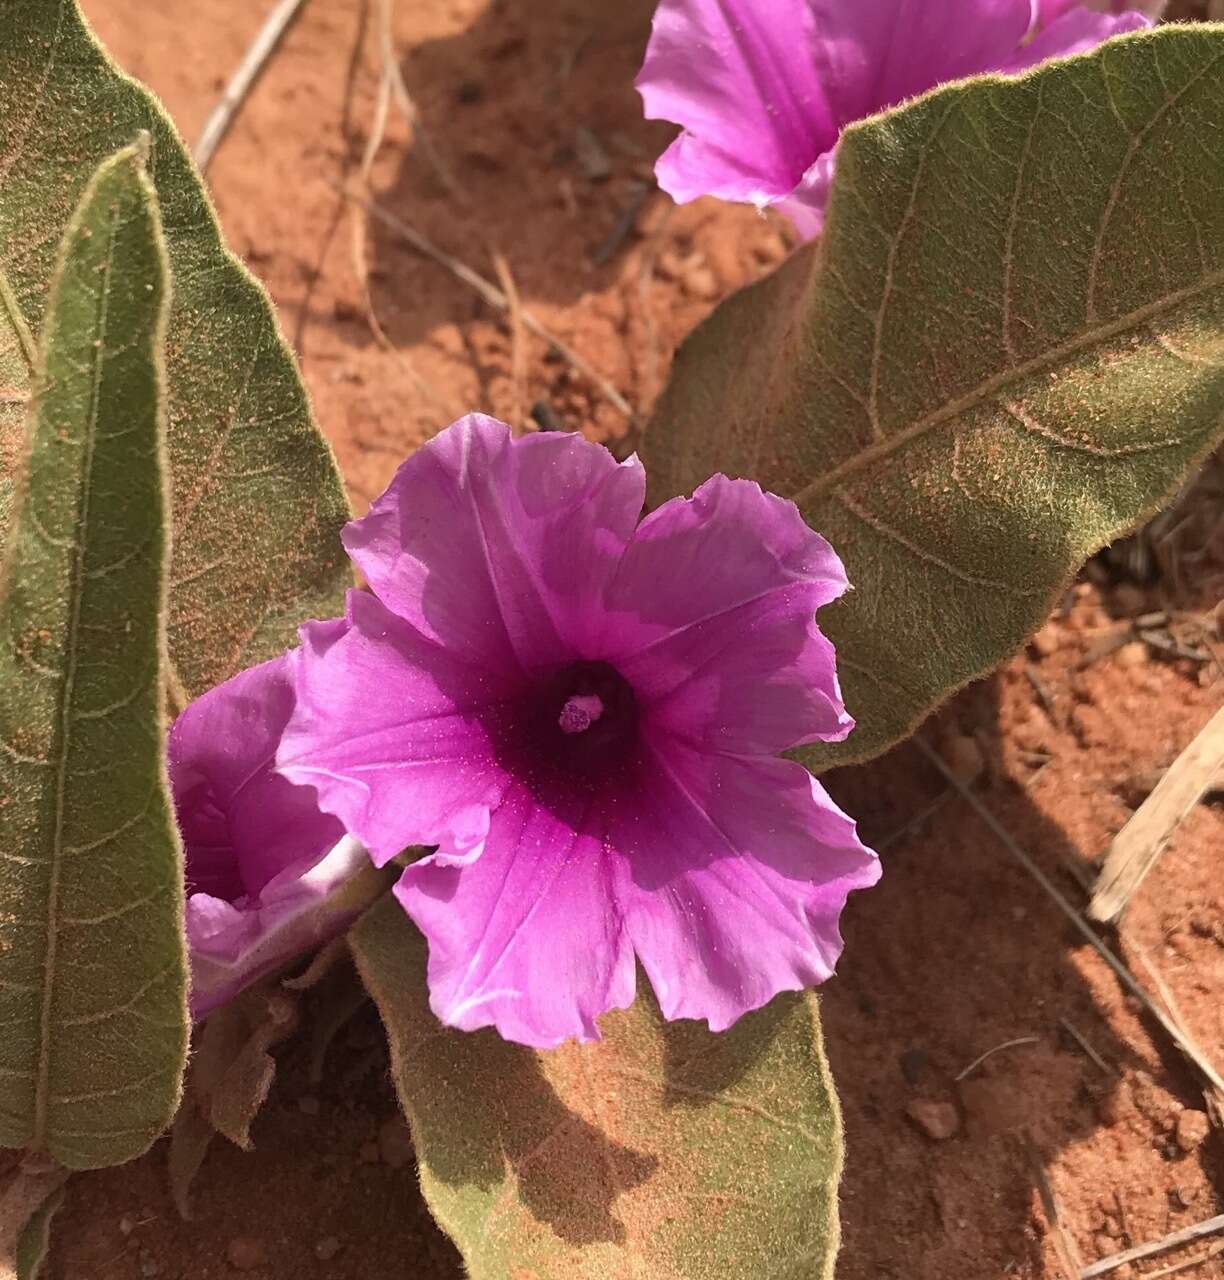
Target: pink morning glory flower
583,713
763,90
269,875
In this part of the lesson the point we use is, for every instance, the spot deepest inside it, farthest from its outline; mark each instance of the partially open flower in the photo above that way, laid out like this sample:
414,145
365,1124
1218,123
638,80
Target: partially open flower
763,90
583,714
268,873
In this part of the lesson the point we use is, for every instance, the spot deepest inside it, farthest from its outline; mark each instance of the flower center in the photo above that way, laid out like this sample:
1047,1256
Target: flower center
578,726
580,712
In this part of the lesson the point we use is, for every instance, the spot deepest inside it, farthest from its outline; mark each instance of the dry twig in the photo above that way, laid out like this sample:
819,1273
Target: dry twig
1137,847
235,93
518,347
1080,1039
1184,1042
495,298
1068,1254
990,1053
1187,1235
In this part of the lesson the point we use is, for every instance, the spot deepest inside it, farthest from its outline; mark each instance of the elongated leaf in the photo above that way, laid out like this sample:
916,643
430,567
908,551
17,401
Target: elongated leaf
1007,349
257,502
36,1238
93,1022
662,1153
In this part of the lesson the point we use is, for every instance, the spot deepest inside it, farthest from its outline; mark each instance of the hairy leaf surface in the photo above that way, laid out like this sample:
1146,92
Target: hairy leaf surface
661,1153
257,502
1006,349
93,1019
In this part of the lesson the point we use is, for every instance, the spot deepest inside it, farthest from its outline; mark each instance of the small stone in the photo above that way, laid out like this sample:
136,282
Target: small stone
149,1268
328,1248
1134,654
938,1120
395,1143
245,1253
127,1224
700,282
308,1105
1047,640
1192,1128
964,757
913,1063
591,154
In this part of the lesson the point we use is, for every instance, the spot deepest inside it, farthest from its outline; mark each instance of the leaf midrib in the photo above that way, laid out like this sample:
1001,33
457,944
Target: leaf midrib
8,299
989,389
43,1071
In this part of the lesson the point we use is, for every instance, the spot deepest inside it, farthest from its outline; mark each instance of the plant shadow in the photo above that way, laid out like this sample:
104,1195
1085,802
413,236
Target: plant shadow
959,953
579,136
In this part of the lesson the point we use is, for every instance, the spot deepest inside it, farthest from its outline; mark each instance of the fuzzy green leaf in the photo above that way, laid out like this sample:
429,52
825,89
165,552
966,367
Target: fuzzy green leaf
257,501
93,1020
1006,349
661,1153
35,1239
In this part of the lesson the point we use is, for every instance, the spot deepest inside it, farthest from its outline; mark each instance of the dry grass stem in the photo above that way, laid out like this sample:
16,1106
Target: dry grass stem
518,345
235,93
990,1053
1185,1043
1068,1253
496,299
1084,1043
1187,1263
1187,1235
361,265
394,79
1136,849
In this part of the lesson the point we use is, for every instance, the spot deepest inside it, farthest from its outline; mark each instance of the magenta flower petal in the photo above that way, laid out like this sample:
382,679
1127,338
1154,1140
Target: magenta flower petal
724,909
762,91
396,734
261,857
529,937
234,943
494,551
716,597
1075,31
577,733
705,54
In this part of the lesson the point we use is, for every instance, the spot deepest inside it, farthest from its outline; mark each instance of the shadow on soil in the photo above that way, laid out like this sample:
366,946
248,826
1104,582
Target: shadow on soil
957,951
557,77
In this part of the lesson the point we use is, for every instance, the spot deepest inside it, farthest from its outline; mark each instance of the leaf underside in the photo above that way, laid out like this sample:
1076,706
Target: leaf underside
93,1022
1006,349
661,1153
257,501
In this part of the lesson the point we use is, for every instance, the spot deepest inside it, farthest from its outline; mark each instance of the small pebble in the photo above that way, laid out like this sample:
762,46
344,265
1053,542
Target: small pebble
938,1120
700,282
245,1253
1047,640
964,757
149,1267
1192,1128
127,1224
1134,654
395,1142
592,155
327,1249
